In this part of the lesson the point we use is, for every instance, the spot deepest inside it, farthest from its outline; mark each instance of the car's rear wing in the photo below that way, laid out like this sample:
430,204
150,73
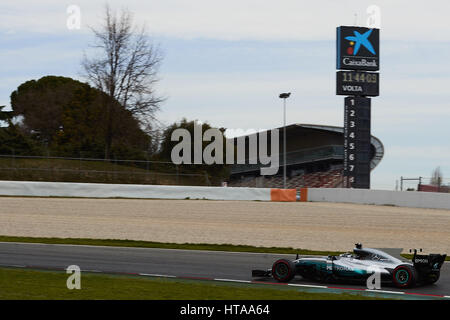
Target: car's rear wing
428,263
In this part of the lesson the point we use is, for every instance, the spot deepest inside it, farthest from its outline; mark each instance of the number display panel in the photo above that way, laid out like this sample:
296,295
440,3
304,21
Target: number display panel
357,141
357,83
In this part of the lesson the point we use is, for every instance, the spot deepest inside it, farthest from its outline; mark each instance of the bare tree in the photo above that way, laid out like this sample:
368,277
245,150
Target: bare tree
436,177
125,68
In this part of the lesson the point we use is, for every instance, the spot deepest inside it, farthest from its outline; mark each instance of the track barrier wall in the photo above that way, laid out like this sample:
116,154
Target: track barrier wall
303,194
284,195
413,199
98,190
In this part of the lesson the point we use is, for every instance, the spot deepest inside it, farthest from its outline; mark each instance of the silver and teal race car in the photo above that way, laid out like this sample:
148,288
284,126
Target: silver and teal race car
358,266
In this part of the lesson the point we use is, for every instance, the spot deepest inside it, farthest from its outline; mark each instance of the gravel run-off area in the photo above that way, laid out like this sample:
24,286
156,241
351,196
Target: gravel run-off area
315,226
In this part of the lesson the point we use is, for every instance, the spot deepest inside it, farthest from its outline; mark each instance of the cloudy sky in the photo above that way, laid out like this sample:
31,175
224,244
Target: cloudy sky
227,61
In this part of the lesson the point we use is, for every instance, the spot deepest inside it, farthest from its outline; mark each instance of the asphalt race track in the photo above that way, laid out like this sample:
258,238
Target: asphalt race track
181,263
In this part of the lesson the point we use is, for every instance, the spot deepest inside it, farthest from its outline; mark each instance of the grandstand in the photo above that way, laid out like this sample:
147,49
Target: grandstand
314,159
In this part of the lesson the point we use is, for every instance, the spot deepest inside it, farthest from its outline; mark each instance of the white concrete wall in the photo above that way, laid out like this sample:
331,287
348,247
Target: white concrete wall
381,197
97,190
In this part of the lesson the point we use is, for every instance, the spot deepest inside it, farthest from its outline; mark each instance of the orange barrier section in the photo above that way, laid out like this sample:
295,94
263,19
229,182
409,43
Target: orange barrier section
283,195
303,194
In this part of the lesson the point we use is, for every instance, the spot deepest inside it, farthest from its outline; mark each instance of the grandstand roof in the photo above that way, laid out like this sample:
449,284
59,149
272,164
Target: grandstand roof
376,143
293,129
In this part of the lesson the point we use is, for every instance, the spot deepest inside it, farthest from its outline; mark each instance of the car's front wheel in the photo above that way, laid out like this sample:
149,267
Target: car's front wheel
283,270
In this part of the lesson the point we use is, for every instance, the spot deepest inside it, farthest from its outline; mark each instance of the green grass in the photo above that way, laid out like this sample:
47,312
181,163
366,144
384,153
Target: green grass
184,246
150,244
20,284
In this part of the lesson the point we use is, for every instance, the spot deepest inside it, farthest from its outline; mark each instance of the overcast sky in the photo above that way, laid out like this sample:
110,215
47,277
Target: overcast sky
227,61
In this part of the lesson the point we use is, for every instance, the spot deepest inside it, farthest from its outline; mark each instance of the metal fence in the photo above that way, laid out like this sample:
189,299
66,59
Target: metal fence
423,184
61,169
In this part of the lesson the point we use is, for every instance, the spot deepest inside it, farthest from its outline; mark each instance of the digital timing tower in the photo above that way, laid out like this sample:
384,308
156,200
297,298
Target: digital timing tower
358,51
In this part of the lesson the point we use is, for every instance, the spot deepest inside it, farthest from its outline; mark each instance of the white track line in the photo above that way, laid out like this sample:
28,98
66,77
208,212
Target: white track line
13,265
231,280
385,291
306,286
157,275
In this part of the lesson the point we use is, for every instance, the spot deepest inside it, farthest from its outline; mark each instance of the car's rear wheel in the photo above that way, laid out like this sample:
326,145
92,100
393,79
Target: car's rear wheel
404,276
433,277
283,270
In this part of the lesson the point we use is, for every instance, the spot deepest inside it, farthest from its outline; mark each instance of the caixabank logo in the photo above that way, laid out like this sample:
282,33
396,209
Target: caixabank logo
358,48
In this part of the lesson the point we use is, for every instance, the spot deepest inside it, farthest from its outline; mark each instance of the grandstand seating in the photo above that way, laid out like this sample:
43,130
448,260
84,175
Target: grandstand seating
328,179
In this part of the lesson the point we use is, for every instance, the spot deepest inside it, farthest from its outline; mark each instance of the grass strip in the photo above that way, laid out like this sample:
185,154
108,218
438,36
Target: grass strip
162,245
20,284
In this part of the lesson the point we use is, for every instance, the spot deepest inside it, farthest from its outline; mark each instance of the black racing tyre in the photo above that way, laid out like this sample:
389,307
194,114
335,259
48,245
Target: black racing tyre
404,276
433,277
283,270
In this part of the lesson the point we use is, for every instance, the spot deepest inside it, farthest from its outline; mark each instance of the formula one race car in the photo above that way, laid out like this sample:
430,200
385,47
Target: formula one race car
358,266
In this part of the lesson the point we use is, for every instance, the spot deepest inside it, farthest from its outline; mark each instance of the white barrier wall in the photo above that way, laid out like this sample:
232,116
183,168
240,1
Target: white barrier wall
381,197
98,190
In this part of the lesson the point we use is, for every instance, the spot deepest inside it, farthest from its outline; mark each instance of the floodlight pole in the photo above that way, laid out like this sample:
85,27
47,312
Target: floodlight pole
284,96
284,143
